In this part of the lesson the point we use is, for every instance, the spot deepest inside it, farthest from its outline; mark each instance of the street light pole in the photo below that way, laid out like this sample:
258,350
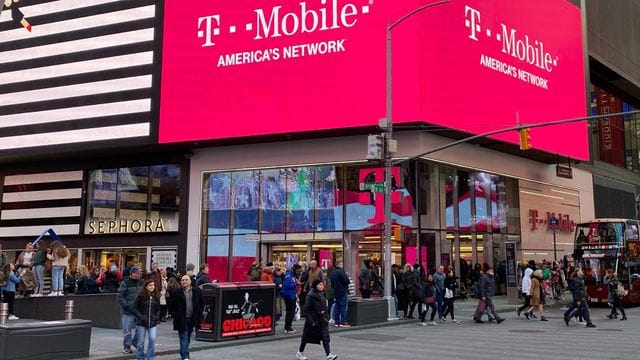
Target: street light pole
389,149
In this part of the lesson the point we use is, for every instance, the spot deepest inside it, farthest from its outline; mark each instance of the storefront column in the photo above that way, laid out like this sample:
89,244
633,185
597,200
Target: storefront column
436,217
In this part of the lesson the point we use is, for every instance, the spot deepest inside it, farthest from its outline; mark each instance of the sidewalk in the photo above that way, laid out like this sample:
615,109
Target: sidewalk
107,343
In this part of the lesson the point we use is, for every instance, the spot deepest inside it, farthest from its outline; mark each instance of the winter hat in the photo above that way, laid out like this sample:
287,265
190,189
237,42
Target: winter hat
134,269
315,283
532,263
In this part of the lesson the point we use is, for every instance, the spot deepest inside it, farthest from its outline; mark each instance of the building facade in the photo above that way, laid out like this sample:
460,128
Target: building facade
139,139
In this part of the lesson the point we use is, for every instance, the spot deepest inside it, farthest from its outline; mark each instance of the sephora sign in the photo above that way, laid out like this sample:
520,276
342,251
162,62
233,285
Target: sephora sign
248,68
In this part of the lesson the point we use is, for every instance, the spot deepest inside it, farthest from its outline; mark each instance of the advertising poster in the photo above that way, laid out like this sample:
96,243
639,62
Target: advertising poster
247,311
511,264
233,69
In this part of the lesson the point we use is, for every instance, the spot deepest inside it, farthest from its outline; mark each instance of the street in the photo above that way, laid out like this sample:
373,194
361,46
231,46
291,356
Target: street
516,338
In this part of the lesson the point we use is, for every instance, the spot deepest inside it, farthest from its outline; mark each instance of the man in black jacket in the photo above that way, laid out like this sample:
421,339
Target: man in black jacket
340,285
186,309
487,288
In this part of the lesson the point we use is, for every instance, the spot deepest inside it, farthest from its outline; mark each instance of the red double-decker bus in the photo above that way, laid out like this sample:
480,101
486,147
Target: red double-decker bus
603,244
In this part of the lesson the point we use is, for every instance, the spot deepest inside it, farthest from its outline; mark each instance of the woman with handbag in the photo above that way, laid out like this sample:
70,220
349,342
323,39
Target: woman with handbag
450,286
316,324
617,291
430,298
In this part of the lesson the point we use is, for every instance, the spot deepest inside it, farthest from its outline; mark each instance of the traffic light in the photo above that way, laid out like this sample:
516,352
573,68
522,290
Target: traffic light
525,139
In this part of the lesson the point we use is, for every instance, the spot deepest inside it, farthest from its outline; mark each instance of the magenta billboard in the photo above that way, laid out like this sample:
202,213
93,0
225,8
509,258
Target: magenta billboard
260,67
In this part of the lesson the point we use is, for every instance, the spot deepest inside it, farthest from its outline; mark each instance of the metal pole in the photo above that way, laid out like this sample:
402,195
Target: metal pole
555,255
68,310
4,313
388,164
387,188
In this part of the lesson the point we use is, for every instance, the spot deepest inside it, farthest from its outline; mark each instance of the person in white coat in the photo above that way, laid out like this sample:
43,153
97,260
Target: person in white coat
526,286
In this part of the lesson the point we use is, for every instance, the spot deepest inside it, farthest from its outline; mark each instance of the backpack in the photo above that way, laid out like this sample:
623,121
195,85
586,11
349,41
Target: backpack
254,274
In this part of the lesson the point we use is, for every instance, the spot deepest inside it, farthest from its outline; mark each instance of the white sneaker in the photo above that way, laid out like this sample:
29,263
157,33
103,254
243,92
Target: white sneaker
13,317
434,323
332,356
423,323
332,321
299,356
455,321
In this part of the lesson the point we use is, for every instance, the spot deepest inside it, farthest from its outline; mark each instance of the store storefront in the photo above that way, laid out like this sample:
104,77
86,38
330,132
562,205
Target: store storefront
324,212
118,216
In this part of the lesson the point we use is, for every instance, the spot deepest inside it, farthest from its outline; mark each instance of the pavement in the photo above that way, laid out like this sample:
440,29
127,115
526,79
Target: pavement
107,343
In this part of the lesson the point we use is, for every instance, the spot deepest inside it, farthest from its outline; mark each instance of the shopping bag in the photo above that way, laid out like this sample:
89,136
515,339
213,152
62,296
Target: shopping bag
482,305
296,317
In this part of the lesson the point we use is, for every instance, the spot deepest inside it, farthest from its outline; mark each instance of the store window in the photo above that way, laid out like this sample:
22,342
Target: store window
133,200
239,206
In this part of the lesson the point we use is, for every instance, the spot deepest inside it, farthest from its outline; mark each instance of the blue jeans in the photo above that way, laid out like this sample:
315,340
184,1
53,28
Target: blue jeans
440,302
185,339
38,274
340,312
140,333
129,323
57,278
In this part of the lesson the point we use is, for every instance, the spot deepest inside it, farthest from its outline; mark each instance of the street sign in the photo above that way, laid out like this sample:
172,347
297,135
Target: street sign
553,222
564,172
375,187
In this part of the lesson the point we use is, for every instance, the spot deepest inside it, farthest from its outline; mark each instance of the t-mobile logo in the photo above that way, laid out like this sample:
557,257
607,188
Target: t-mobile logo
472,21
519,46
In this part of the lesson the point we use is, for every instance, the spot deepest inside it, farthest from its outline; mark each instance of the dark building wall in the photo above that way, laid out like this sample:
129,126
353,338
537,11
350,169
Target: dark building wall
613,30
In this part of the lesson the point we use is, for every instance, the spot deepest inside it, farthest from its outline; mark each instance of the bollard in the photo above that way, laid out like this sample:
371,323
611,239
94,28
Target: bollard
68,310
4,313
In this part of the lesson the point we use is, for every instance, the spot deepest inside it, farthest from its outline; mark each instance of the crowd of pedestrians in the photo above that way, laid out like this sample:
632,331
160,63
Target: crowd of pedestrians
148,297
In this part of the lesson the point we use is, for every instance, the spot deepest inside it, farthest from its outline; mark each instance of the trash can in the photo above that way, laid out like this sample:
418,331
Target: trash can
239,309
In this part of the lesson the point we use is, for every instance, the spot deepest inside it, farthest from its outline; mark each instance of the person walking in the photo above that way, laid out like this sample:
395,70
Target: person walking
537,296
438,278
400,291
316,324
185,306
417,289
429,296
127,293
146,308
340,283
59,256
450,286
526,287
614,289
579,304
486,287
289,293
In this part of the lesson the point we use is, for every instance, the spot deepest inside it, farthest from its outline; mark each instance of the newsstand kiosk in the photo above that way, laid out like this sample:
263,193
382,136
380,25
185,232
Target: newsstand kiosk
237,309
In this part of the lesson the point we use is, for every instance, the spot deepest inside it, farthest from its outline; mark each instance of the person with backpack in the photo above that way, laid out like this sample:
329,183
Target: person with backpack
289,292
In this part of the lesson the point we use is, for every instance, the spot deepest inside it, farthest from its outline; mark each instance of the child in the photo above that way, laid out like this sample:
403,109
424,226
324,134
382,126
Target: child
9,289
